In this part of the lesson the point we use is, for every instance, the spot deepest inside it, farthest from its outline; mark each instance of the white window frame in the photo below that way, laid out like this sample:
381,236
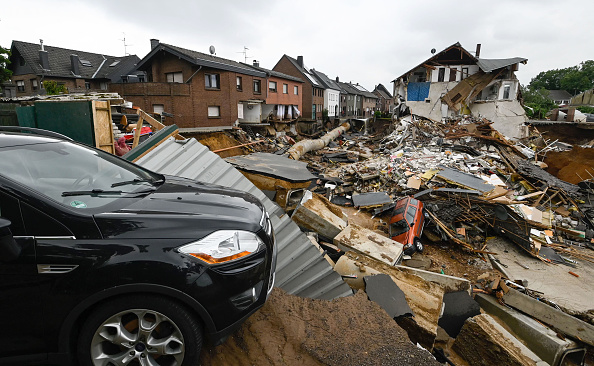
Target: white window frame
272,86
174,77
214,111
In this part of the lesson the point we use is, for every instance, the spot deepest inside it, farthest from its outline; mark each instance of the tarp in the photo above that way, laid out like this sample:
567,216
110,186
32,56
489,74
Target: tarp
418,92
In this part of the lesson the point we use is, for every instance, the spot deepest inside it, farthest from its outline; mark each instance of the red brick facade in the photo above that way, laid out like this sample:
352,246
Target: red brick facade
311,94
189,101
290,98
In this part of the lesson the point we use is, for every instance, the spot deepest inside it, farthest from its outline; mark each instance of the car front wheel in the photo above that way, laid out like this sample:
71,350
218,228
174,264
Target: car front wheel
140,330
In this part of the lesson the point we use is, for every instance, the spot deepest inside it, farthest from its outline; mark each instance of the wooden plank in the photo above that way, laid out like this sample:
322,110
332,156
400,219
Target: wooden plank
150,143
154,123
102,126
565,323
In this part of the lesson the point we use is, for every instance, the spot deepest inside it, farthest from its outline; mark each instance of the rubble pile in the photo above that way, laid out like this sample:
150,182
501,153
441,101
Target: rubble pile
472,184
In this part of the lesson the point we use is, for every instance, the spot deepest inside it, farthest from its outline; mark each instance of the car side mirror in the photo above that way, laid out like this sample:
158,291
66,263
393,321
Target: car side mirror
9,248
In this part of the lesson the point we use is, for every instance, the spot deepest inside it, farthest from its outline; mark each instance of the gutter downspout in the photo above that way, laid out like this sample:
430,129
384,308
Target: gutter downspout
194,74
100,66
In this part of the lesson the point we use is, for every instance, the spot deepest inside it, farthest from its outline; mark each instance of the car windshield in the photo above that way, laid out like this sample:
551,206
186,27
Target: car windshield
74,175
398,227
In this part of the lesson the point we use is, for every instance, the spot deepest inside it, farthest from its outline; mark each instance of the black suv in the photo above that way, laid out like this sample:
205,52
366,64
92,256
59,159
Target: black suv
103,262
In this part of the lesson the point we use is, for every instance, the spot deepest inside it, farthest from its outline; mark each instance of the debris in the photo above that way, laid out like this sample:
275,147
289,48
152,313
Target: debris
565,323
316,213
574,274
384,291
459,306
482,341
371,199
370,243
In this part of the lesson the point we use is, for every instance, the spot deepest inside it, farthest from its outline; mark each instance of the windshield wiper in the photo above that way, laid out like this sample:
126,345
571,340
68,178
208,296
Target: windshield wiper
133,181
89,193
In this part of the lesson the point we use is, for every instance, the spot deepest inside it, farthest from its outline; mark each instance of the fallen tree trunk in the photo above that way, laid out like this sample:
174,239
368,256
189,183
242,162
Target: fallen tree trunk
299,149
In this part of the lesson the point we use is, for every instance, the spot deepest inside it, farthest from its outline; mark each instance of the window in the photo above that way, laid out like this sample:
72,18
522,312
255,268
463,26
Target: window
239,83
158,108
285,88
464,73
441,75
296,90
257,87
20,85
87,85
174,77
453,74
506,89
272,86
313,112
34,84
103,85
212,81
141,78
214,111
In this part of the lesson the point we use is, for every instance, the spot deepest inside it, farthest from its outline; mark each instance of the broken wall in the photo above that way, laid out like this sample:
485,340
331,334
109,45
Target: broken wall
508,116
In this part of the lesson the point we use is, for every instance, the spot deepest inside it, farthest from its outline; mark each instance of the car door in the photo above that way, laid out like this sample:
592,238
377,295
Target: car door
21,301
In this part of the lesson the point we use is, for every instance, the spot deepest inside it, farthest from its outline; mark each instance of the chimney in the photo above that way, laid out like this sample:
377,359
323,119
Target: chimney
75,64
337,80
43,57
256,63
300,61
478,50
154,43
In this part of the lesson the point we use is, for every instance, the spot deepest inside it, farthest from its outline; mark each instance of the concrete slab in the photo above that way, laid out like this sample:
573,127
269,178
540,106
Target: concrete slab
425,298
459,306
482,341
385,292
569,292
543,341
564,322
318,214
370,243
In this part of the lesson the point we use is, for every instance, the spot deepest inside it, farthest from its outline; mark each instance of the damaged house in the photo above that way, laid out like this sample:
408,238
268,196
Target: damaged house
455,82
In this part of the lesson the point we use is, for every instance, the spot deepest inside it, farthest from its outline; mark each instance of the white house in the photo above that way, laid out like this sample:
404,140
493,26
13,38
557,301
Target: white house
454,82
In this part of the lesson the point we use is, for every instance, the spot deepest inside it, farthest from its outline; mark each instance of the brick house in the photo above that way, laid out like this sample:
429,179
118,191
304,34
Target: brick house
197,91
78,71
385,101
313,90
283,98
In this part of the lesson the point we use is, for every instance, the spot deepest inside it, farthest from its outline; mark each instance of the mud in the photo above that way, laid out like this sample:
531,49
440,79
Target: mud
296,331
571,166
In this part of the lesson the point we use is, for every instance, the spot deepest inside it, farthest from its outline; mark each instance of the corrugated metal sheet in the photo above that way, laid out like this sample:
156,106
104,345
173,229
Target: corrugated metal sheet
301,269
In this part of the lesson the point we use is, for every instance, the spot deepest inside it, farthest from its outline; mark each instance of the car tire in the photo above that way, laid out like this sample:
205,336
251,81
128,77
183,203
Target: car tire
418,245
140,328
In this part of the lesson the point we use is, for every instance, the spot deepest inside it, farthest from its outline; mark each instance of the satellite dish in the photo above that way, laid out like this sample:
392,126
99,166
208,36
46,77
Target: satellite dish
212,50
433,51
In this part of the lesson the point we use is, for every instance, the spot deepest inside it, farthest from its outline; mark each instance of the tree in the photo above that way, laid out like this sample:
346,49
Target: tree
5,73
53,88
536,102
574,79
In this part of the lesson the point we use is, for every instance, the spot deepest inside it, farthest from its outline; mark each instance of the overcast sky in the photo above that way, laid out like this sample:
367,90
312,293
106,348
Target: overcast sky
368,42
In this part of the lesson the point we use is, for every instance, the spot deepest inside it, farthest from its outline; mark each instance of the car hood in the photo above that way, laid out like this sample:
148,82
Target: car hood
183,209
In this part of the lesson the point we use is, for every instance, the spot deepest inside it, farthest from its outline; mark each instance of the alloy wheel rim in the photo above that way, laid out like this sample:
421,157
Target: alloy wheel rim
138,337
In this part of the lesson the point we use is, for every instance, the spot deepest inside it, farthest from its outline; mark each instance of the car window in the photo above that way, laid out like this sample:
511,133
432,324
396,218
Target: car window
410,214
57,168
398,228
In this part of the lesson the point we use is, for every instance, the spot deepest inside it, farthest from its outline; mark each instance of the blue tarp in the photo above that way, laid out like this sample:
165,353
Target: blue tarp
417,92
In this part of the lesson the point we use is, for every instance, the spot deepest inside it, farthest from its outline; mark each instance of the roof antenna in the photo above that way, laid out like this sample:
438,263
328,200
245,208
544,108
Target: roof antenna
245,56
125,45
211,49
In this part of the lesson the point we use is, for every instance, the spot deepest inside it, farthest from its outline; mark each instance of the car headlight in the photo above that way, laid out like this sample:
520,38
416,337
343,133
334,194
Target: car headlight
224,246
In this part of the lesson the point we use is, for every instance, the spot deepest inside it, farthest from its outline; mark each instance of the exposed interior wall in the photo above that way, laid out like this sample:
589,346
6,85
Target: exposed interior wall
253,115
508,116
